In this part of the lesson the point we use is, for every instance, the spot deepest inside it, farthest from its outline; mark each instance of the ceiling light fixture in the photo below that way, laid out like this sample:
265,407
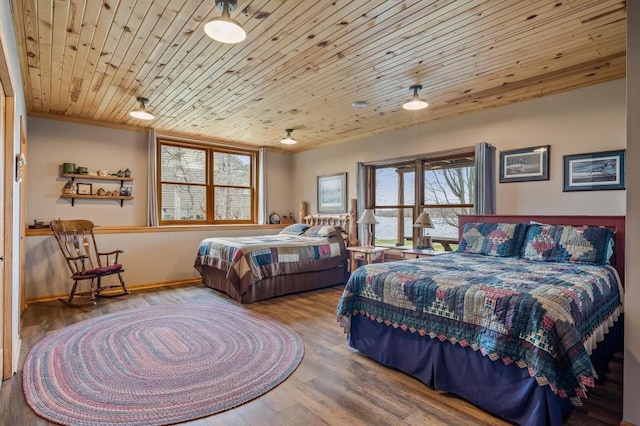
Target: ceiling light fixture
415,103
223,28
288,140
141,113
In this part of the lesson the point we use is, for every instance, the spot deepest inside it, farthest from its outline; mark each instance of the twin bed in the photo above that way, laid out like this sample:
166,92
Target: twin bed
521,321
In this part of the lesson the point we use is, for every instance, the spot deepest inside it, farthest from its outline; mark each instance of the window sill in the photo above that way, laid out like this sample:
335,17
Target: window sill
151,229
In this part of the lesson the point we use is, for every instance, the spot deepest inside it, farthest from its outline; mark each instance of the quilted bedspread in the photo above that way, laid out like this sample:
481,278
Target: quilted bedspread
246,260
540,315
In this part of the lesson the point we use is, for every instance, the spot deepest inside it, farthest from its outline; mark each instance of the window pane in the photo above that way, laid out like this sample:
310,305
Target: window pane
389,181
390,231
231,169
445,220
183,202
232,204
178,164
449,186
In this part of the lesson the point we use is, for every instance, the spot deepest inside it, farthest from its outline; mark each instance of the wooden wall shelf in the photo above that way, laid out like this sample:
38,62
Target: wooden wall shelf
74,176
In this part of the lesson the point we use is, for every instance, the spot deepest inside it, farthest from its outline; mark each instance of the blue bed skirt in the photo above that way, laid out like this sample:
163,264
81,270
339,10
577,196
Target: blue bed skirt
505,390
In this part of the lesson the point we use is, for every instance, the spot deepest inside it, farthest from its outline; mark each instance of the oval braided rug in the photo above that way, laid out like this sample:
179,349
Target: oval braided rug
159,365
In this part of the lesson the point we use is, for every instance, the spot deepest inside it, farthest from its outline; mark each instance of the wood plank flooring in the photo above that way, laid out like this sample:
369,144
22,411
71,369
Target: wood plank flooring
333,385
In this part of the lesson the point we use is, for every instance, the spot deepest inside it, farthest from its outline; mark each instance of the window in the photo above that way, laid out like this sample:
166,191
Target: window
446,190
201,184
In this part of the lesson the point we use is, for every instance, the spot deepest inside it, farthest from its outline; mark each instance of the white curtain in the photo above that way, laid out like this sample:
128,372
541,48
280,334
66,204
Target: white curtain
361,190
152,179
485,193
262,186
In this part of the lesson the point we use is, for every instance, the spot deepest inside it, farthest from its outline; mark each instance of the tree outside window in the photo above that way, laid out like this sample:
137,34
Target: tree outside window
201,184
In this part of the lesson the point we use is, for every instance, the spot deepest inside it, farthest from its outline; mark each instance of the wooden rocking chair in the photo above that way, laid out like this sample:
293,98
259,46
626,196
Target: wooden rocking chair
78,245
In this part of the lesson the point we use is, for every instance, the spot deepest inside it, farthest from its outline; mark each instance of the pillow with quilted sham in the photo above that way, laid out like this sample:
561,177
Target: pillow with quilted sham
321,231
295,229
566,243
492,239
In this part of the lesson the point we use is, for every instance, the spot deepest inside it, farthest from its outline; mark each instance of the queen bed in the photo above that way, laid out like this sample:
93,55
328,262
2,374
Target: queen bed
520,321
303,256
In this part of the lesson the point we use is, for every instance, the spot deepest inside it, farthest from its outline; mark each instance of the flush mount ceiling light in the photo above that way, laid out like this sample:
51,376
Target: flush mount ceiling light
288,140
223,28
415,102
141,113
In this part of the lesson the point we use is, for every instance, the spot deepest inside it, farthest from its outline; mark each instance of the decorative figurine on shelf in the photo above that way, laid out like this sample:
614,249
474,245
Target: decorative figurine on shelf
127,173
70,188
120,173
100,192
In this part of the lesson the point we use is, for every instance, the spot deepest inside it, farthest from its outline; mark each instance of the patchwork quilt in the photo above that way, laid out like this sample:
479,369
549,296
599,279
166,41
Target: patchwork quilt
246,260
539,315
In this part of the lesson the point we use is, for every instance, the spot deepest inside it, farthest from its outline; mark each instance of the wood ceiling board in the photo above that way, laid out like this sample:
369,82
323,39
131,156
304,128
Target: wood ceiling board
304,63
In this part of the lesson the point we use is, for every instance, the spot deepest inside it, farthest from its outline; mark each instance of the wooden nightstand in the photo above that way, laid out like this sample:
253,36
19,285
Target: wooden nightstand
420,252
367,254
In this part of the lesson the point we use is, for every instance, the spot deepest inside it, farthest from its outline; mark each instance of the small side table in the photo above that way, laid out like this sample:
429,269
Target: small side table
367,254
419,252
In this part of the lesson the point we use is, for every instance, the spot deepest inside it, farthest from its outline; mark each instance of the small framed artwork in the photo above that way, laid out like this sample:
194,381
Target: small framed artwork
522,165
332,193
594,171
125,191
85,189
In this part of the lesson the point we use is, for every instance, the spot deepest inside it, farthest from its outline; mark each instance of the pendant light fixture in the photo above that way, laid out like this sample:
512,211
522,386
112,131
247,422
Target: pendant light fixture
141,113
223,28
288,140
415,103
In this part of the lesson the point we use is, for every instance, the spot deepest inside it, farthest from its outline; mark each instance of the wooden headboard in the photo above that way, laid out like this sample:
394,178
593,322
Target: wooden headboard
346,221
617,223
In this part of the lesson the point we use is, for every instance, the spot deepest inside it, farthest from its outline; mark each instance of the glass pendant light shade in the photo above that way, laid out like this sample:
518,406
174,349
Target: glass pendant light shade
223,28
141,113
288,140
415,103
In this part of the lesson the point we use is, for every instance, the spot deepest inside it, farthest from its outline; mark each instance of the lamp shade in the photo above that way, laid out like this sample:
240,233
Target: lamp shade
141,113
288,140
415,103
423,221
368,218
223,28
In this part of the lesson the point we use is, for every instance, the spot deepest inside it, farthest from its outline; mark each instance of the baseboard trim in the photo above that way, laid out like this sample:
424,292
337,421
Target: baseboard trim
146,286
16,357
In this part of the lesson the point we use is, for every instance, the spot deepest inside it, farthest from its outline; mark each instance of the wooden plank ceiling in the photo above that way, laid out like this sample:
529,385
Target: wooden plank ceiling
305,62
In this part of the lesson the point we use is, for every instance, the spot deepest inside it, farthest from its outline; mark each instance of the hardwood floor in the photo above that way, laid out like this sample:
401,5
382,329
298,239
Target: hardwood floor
333,385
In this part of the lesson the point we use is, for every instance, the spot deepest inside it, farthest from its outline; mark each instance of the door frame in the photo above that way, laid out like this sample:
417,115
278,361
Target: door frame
7,139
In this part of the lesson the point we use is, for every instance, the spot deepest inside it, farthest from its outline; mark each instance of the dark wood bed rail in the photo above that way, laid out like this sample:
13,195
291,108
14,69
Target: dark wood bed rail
617,223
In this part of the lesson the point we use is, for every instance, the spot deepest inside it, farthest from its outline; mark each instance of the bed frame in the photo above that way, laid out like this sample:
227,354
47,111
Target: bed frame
513,394
293,283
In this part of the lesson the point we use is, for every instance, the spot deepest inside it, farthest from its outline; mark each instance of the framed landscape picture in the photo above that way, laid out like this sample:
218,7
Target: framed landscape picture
521,165
594,171
332,193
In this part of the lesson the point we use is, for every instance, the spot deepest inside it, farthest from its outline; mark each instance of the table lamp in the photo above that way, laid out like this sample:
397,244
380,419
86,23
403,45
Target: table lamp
369,219
423,221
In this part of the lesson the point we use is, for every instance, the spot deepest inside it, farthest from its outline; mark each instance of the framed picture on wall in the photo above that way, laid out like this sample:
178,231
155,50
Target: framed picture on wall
522,165
594,171
332,193
85,189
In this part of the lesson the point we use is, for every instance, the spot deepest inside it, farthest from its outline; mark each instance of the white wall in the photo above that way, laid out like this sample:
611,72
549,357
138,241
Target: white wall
52,143
586,120
631,408
9,45
149,257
